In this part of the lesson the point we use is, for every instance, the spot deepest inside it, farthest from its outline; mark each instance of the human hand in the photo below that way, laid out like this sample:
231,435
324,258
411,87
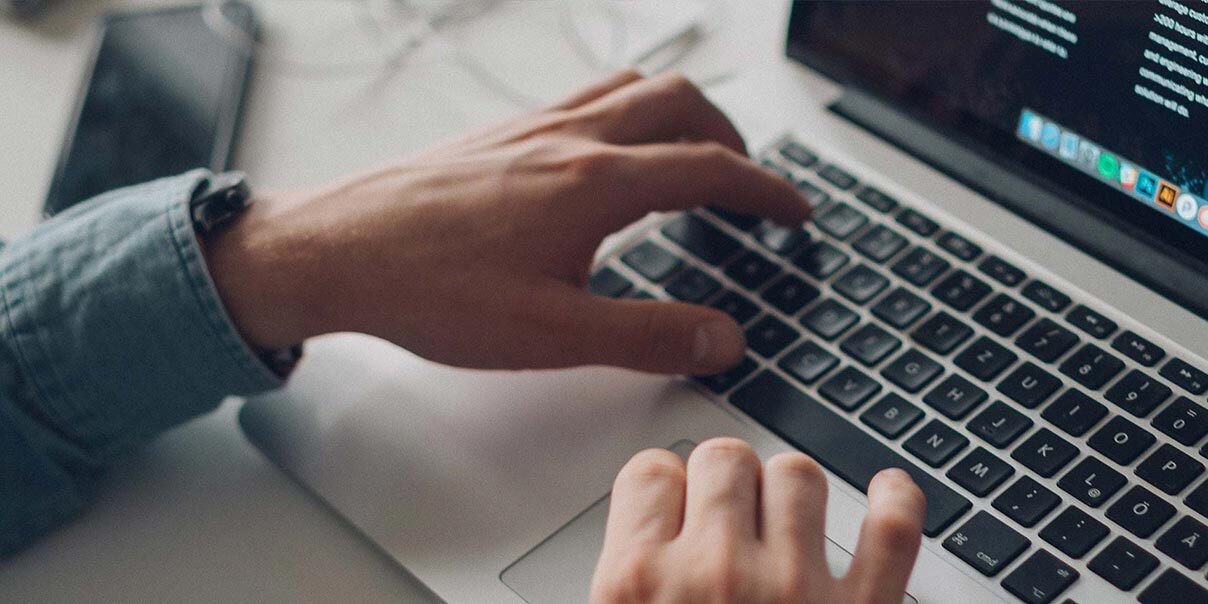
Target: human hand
723,530
476,252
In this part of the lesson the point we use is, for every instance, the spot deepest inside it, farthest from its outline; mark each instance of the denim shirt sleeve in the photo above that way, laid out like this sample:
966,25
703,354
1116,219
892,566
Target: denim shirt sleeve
111,332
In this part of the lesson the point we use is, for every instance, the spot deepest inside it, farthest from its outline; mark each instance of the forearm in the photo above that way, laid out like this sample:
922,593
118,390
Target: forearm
112,332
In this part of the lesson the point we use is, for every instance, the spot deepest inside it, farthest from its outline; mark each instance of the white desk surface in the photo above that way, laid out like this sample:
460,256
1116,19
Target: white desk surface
200,515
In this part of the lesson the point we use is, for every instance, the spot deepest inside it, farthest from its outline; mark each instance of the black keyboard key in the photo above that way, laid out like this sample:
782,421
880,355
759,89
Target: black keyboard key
840,446
920,224
849,388
955,397
942,333
1003,315
985,359
841,221
736,305
726,380
702,239
892,415
1186,542
1074,412
1169,469
1092,367
1074,532
1121,440
986,544
820,260
769,335
808,362
651,261
742,222
783,240
692,285
837,176
912,371
1138,393
608,282
1123,564
1040,579
1002,271
999,424
797,154
1029,385
900,308
960,290
1026,501
870,344
1092,482
813,195
877,200
830,318
1185,376
1171,586
1046,296
1140,512
1046,340
789,294
777,168
1091,322
959,246
1183,420
1198,499
1045,453
1138,349
880,243
920,267
980,472
751,270
641,295
935,443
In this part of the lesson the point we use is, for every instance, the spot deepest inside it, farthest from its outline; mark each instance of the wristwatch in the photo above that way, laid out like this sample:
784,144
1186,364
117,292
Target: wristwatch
215,201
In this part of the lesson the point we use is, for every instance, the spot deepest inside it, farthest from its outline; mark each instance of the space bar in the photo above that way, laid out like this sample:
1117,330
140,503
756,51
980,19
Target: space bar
840,446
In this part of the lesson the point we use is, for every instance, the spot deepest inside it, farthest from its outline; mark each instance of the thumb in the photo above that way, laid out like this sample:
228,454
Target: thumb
649,335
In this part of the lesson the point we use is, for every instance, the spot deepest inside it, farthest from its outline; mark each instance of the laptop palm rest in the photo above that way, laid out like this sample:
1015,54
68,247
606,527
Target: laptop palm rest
562,564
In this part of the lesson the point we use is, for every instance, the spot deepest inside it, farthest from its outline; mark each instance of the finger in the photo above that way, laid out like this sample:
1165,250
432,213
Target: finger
647,335
662,108
647,500
794,513
721,504
681,176
889,538
597,89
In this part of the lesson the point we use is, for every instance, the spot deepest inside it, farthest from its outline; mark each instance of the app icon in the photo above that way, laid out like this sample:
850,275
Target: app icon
1030,125
1050,136
1069,145
1109,166
1186,207
1088,154
1128,175
1204,217
1147,185
1166,195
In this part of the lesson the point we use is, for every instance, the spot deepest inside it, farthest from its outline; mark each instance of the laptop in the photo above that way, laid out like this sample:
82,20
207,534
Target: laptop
1004,291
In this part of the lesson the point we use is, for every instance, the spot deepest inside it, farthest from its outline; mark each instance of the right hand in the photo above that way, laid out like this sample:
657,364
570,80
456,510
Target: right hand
723,529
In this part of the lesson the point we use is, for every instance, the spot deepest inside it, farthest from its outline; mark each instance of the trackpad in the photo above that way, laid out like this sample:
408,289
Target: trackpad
559,569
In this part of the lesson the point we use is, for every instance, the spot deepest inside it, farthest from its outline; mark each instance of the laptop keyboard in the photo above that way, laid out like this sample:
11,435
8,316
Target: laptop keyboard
1048,440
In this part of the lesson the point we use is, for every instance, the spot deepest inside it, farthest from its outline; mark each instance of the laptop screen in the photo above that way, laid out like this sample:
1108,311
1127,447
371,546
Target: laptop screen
1105,99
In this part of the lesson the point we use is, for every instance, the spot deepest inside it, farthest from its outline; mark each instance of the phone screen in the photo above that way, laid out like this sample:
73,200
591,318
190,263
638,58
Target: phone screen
162,97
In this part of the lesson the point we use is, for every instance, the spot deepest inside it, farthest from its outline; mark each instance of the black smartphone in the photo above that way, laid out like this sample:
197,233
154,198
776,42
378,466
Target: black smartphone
163,95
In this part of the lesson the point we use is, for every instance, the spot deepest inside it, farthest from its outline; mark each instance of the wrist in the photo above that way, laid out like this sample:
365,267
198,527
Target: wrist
258,279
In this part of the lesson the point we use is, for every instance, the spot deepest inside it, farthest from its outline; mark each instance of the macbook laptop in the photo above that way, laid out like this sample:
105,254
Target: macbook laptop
1004,291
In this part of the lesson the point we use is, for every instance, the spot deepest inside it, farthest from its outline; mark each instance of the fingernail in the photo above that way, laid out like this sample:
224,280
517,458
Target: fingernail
896,474
717,343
